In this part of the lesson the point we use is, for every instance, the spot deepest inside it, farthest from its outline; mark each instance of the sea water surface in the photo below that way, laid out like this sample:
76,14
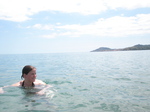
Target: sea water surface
82,82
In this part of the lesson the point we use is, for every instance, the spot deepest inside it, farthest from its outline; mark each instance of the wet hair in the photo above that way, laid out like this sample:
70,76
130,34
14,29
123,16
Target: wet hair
26,69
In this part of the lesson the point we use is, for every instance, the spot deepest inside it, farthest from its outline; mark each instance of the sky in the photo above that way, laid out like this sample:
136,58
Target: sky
58,26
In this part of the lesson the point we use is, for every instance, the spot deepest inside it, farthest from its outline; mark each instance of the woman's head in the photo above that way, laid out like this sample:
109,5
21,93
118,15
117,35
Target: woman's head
29,72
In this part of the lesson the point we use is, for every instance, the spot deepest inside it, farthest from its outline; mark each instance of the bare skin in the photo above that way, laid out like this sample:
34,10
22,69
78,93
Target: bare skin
29,79
26,84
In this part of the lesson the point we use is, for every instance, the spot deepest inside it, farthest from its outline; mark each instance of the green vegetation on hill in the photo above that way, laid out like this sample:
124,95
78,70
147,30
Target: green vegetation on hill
135,47
138,47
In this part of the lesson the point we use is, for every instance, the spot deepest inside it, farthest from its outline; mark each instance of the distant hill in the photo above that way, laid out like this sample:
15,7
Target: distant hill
138,47
135,47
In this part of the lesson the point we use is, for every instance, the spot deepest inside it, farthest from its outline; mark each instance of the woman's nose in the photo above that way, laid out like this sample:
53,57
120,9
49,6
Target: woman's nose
34,75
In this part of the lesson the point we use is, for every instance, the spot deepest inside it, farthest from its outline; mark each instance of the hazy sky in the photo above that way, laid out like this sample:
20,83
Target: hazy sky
53,26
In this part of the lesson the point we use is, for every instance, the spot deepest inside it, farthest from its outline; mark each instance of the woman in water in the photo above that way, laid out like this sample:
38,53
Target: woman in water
30,81
29,76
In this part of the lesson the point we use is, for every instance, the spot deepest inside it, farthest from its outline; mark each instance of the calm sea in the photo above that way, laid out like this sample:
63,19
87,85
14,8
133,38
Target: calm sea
82,82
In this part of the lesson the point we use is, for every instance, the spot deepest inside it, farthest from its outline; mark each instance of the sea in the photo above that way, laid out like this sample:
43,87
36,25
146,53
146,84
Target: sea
81,82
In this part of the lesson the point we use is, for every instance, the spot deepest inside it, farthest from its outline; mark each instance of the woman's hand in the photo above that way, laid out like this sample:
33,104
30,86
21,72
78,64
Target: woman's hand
1,90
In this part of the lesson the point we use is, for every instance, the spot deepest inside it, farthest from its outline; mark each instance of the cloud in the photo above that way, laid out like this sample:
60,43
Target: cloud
42,27
22,10
117,26
127,4
53,35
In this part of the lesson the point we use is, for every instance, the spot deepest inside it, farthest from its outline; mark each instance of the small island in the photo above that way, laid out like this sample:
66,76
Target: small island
135,47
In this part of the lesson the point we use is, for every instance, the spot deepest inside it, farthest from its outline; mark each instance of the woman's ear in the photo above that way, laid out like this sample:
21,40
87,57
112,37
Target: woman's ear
24,76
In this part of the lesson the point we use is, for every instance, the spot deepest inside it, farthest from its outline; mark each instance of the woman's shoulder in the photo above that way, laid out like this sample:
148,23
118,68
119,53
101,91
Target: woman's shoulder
39,82
17,84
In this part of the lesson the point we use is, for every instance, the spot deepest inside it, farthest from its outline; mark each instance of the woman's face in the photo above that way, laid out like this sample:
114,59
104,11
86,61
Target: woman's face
31,76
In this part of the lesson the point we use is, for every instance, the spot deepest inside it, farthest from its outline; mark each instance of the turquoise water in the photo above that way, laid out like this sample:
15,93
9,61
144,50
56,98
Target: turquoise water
82,82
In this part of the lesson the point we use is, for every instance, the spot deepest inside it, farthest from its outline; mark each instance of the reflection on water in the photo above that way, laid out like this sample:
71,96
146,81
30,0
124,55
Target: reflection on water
85,82
26,100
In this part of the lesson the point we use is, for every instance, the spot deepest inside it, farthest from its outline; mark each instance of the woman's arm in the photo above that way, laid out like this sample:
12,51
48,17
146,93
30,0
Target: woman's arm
43,90
16,84
1,89
46,86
